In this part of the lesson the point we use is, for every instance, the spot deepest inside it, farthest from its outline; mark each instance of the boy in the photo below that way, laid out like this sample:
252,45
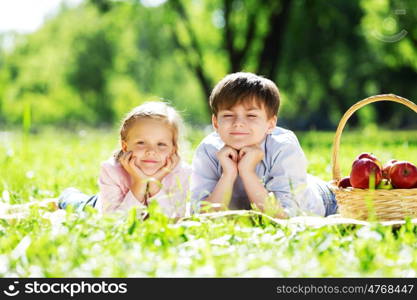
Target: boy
249,159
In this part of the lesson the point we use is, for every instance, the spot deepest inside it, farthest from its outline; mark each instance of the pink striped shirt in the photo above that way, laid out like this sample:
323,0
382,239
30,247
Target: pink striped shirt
115,195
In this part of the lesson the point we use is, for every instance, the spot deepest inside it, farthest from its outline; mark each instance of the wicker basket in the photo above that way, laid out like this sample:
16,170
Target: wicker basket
379,204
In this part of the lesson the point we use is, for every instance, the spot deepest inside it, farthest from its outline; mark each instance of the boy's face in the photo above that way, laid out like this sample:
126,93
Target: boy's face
243,125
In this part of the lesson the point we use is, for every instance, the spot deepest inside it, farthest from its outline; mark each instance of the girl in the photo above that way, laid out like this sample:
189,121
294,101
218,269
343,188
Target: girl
146,168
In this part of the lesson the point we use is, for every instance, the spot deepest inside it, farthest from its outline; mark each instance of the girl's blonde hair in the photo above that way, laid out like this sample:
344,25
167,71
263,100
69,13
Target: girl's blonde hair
152,110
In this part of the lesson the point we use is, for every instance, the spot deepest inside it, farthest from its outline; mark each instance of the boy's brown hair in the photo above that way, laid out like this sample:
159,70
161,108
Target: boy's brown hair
242,87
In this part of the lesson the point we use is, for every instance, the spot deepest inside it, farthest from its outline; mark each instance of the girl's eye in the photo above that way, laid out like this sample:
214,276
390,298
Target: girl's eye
252,116
162,145
227,116
140,143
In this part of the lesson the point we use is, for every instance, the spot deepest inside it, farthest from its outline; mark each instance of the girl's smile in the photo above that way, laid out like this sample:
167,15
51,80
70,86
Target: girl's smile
151,142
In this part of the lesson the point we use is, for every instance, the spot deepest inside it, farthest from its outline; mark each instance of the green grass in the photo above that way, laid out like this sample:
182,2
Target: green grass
66,244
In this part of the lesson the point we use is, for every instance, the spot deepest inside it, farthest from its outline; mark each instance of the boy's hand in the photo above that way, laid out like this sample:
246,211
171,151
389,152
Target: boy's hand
228,158
248,158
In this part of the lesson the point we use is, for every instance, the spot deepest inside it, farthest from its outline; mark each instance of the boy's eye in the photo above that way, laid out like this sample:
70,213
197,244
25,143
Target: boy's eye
162,145
227,116
140,143
252,116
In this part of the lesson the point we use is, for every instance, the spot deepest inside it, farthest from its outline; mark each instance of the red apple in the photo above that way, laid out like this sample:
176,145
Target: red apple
403,175
344,182
362,170
368,156
387,168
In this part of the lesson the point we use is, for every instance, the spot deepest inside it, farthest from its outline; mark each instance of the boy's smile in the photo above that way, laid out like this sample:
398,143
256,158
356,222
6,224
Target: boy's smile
244,124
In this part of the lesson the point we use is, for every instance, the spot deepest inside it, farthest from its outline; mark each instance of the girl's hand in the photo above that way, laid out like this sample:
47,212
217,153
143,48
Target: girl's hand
127,160
155,184
139,179
170,164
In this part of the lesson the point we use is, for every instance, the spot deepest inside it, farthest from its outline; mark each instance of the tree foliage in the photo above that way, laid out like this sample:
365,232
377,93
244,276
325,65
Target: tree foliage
94,62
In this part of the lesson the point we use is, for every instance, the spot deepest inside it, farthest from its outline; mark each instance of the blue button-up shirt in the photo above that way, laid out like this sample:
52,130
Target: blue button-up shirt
283,171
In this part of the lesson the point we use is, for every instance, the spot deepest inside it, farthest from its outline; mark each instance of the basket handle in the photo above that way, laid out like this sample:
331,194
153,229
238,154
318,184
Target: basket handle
349,113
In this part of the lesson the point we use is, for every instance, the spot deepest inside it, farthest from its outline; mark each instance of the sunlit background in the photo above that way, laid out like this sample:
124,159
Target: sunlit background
69,70
26,16
87,62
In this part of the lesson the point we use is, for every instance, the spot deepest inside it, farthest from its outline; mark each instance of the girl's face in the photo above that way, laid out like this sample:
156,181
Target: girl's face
151,142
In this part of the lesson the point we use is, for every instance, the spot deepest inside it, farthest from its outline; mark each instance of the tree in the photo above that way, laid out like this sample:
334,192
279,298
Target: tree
88,74
238,38
316,50
94,62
